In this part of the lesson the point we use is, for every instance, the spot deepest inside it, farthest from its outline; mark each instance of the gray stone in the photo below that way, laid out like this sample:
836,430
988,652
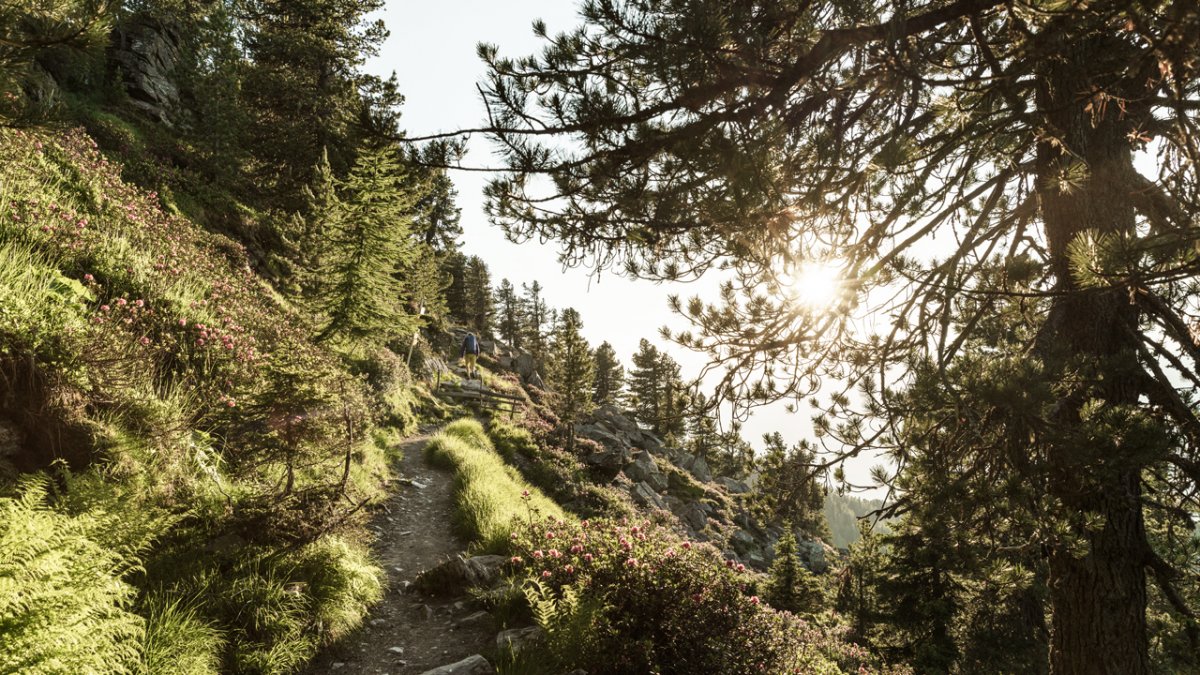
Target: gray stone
743,541
472,665
456,576
601,435
613,459
517,639
644,495
612,418
480,618
751,480
645,470
734,486
694,515
812,554
699,469
146,54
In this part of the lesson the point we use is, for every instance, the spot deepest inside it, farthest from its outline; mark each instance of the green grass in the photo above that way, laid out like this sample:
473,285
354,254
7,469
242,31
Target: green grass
490,497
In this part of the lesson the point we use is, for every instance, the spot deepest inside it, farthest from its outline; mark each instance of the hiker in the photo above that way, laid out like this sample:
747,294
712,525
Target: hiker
470,352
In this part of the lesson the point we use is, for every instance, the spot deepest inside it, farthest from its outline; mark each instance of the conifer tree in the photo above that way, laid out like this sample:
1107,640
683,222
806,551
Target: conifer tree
703,436
788,488
610,376
645,380
790,586
477,292
509,319
454,269
941,151
570,371
675,399
537,316
369,240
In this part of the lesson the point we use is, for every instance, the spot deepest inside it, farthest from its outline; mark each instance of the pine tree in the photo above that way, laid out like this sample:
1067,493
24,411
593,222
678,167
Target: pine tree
703,437
509,319
570,371
477,292
537,316
675,400
914,142
610,376
788,488
369,240
454,270
790,586
645,382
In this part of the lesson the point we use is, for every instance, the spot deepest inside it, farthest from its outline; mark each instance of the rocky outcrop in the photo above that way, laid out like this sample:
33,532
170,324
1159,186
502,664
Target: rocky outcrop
146,54
461,574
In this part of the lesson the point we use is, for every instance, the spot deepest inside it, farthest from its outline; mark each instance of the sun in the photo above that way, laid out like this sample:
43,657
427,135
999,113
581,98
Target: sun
815,284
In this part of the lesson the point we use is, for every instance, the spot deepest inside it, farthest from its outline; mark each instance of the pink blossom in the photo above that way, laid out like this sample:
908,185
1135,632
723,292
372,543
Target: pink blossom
145,341
632,562
121,302
549,535
729,563
569,569
538,554
754,599
587,557
687,544
104,308
545,574
88,277
516,560
741,567
577,548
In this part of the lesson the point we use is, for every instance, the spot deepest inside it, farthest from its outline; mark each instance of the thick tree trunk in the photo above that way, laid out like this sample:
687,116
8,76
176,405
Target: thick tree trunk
1097,575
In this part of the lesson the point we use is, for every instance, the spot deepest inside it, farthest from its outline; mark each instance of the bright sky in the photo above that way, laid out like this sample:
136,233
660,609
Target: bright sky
432,52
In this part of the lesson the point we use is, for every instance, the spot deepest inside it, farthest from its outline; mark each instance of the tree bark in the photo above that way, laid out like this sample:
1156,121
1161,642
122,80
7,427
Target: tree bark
1097,574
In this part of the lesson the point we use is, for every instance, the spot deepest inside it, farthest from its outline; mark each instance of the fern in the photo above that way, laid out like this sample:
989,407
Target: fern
63,604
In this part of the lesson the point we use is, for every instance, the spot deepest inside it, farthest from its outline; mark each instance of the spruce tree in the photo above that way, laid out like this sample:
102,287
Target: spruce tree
570,372
477,292
454,270
610,376
645,382
535,331
369,240
675,399
790,586
703,436
788,488
509,319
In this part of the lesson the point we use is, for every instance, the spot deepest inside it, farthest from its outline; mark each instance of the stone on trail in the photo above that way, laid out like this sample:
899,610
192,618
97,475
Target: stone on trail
472,665
516,639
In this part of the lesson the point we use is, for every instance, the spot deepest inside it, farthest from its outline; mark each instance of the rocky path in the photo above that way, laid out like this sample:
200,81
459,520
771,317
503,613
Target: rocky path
410,633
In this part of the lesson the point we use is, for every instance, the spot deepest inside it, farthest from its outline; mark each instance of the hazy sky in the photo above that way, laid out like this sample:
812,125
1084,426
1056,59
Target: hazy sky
432,52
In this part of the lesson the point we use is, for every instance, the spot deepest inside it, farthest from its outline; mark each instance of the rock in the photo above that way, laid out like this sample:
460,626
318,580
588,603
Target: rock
613,459
146,53
644,469
743,541
601,435
751,480
644,495
535,380
478,619
517,639
694,515
472,665
734,486
398,651
812,554
700,470
456,576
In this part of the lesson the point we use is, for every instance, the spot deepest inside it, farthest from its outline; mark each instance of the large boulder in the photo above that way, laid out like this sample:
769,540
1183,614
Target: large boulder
694,515
472,665
612,418
813,555
645,495
733,485
696,466
146,54
601,435
645,470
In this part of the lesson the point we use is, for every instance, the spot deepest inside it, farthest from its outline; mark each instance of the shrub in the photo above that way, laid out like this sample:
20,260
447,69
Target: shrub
645,601
179,641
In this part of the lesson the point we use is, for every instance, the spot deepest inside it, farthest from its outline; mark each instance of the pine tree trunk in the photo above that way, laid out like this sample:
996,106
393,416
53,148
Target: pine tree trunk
1097,576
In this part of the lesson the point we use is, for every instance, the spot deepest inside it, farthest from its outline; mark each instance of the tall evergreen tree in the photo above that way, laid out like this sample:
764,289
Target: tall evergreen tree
771,135
535,332
703,436
790,586
675,401
570,372
369,240
477,291
509,319
454,269
645,380
610,376
788,488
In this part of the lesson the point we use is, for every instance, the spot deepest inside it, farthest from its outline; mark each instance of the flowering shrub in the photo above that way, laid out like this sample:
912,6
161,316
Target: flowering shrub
661,604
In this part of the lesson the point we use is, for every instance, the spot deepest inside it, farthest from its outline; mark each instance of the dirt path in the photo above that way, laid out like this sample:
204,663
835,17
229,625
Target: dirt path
409,633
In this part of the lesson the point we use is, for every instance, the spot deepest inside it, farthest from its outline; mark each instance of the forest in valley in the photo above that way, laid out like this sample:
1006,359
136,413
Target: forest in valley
266,407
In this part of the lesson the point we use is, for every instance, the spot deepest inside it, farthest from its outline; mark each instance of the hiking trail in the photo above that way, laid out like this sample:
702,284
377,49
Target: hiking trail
410,633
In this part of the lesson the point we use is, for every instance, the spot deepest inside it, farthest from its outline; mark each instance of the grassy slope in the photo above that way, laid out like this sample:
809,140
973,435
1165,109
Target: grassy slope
163,391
